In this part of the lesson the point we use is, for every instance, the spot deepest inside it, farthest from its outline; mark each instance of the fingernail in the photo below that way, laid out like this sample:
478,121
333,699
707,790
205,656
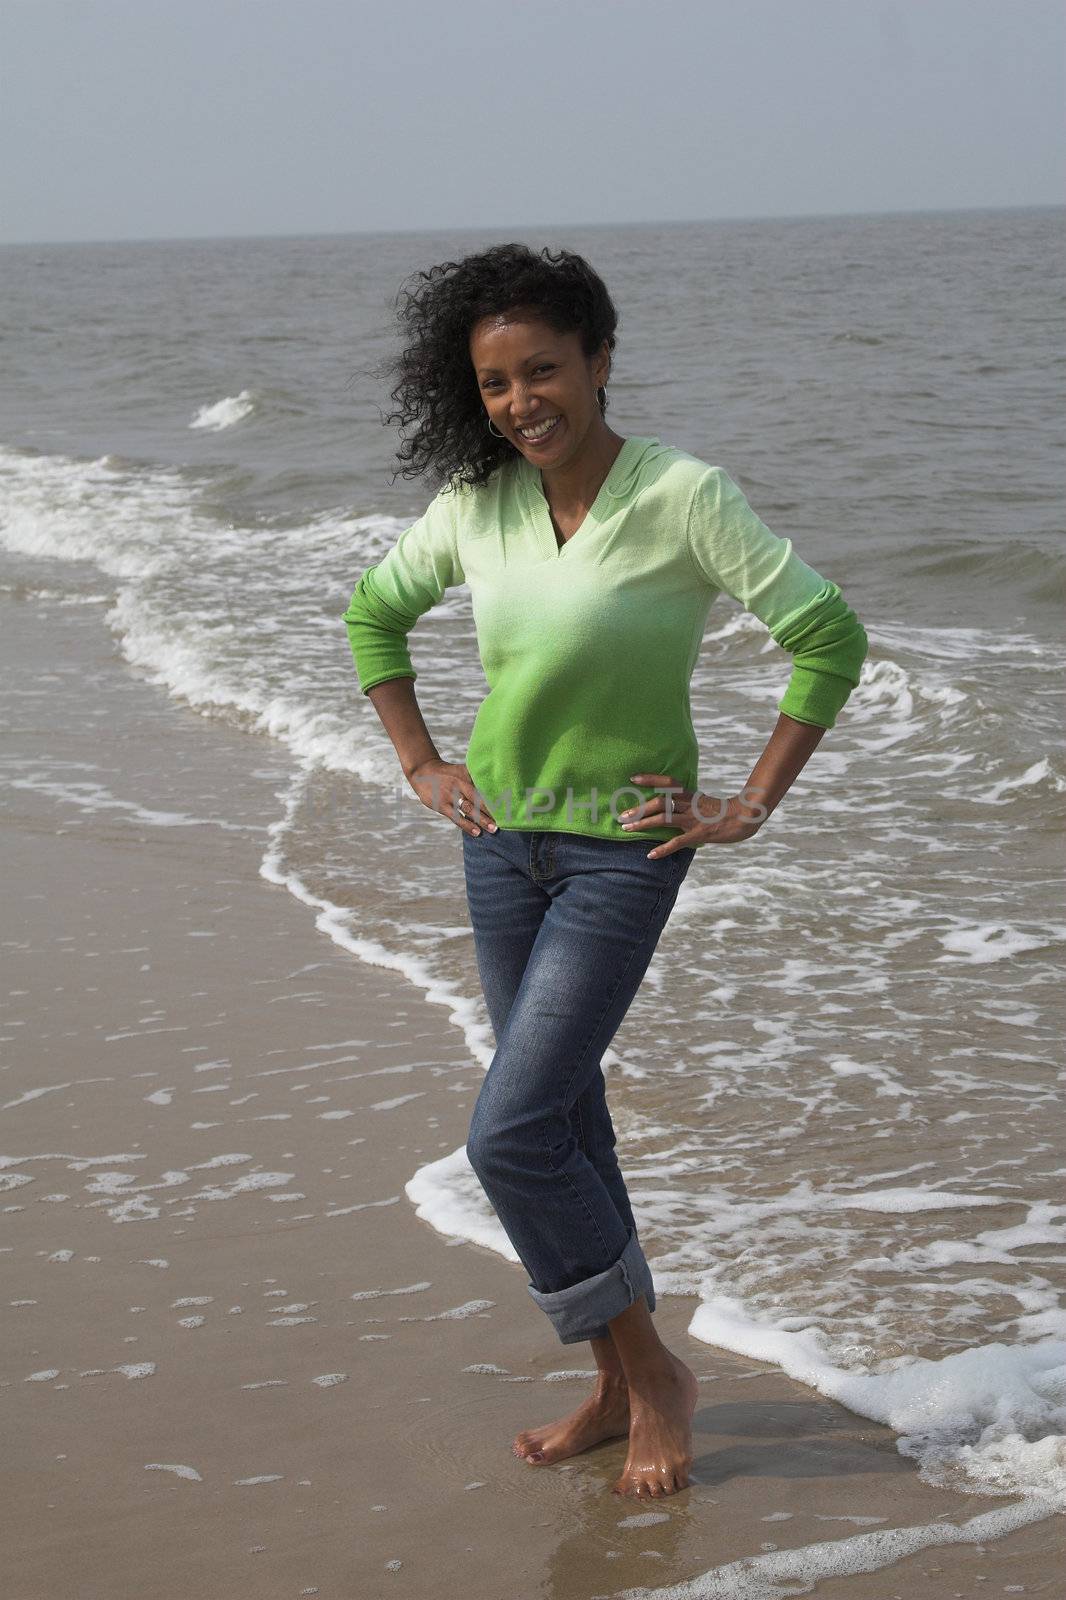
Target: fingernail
493,828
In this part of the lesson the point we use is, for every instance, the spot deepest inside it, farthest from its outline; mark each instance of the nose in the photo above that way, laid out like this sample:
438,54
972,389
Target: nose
525,410
520,400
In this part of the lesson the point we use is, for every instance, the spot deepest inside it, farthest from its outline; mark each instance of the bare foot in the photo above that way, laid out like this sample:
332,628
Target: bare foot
660,1435
604,1416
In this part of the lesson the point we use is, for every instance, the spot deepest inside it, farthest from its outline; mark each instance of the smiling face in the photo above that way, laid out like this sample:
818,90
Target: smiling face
528,376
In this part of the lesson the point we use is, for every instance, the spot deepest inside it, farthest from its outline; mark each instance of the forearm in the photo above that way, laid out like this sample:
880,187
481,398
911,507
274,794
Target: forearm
395,703
788,750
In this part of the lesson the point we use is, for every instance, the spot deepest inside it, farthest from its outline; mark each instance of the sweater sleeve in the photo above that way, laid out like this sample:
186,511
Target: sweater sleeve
391,596
732,549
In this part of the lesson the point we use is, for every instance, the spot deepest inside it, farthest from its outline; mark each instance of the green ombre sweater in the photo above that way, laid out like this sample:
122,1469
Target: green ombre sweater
588,648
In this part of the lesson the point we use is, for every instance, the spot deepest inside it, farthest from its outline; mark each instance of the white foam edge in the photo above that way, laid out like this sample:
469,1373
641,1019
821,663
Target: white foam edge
775,1574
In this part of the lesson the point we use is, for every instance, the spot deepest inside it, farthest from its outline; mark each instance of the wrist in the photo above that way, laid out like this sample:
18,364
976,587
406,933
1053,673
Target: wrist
422,760
757,803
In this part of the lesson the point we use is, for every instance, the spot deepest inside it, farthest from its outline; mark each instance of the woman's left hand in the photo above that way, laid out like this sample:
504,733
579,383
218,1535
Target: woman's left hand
714,821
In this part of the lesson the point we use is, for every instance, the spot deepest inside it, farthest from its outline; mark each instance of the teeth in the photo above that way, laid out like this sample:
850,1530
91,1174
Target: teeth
541,429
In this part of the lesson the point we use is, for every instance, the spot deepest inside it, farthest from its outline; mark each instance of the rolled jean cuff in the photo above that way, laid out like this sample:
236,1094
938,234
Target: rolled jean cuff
583,1310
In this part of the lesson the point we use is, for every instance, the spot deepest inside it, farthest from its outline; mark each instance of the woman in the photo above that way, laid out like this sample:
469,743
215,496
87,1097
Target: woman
592,560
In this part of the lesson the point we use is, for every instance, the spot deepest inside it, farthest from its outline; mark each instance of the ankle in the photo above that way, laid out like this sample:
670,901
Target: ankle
659,1372
611,1386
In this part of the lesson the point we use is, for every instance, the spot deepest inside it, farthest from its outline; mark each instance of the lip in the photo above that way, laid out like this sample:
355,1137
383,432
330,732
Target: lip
549,435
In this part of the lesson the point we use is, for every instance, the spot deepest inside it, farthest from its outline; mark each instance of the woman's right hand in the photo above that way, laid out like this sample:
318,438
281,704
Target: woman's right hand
447,787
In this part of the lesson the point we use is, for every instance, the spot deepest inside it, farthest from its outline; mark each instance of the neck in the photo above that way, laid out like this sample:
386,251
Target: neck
576,483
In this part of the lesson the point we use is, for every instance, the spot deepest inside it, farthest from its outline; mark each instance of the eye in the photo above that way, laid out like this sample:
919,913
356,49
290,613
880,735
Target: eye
543,366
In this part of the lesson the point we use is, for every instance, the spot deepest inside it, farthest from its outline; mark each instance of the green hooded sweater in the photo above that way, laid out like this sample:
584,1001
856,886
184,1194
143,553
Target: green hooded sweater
588,647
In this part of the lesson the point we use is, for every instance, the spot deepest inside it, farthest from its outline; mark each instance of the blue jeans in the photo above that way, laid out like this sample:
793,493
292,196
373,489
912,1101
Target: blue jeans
564,929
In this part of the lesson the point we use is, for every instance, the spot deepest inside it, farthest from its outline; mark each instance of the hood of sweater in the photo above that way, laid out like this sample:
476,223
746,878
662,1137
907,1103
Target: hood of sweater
637,463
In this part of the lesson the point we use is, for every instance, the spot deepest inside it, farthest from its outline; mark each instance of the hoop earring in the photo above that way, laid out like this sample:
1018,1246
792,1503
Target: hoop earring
496,434
602,390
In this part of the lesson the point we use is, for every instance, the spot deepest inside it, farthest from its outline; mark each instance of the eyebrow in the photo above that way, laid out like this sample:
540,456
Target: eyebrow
484,371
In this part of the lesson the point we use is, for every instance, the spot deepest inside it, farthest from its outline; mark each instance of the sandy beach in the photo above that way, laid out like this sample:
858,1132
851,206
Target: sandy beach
236,1362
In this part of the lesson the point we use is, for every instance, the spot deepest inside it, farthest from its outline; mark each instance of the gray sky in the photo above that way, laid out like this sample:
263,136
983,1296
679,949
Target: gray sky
132,119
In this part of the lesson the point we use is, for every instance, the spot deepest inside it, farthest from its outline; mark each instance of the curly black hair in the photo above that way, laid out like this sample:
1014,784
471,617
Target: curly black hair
436,386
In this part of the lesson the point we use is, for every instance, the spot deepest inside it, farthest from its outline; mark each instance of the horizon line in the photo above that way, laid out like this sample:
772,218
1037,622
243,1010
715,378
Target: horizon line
481,228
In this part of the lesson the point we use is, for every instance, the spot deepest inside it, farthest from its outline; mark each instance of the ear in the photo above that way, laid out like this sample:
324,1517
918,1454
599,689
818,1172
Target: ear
603,364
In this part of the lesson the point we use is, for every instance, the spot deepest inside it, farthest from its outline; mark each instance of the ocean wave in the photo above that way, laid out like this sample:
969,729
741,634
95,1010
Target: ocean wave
246,622
989,1419
225,413
777,1574
1017,565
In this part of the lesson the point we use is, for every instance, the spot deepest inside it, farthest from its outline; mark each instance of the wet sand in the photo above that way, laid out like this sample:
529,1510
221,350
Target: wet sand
235,1361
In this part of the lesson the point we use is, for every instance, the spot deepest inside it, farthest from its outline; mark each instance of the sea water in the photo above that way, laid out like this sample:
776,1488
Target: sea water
835,1092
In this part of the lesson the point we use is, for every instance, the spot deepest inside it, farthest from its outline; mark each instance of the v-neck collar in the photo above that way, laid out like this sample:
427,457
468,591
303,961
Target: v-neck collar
615,485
